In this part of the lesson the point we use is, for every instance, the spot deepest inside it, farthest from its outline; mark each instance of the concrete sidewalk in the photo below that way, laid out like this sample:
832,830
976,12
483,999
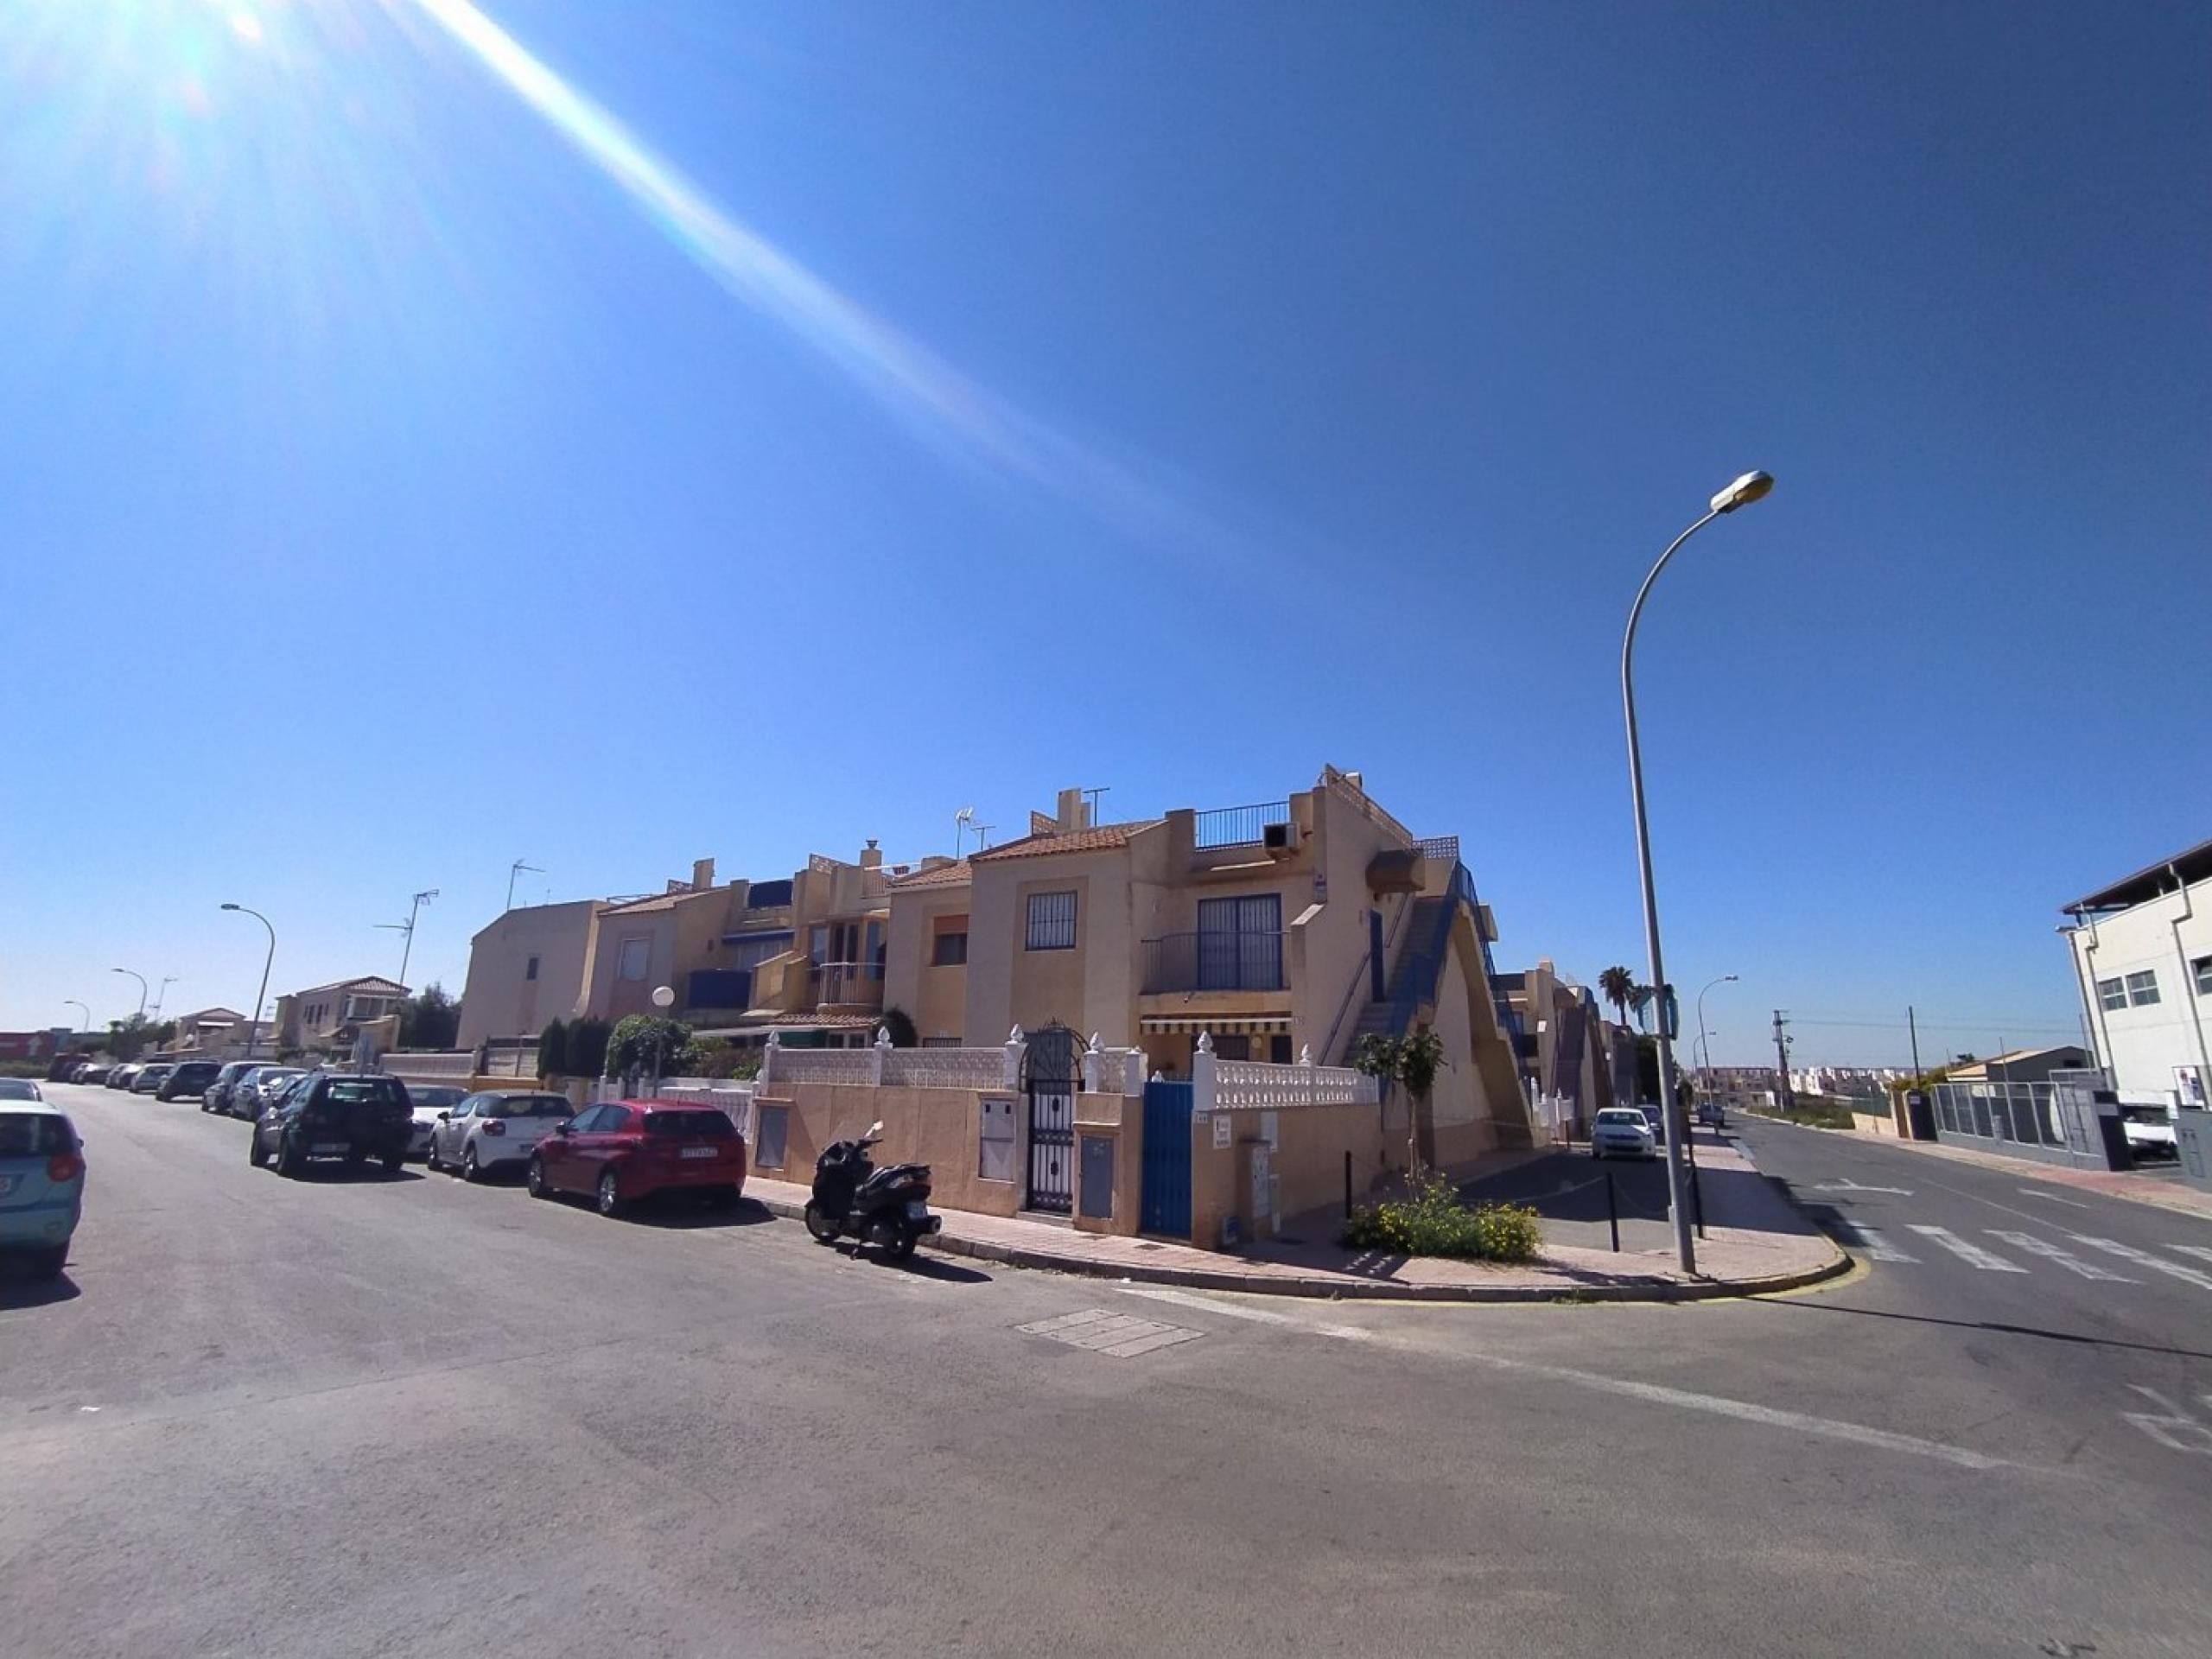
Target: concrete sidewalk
1760,1244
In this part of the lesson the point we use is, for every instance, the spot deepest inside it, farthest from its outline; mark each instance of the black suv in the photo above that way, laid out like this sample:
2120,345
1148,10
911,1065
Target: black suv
192,1077
333,1115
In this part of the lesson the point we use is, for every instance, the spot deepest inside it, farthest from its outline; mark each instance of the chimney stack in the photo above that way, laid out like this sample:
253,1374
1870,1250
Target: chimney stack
871,857
703,874
1074,813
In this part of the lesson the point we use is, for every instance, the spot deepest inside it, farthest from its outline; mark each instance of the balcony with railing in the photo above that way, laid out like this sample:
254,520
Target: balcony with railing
1213,962
1239,826
847,984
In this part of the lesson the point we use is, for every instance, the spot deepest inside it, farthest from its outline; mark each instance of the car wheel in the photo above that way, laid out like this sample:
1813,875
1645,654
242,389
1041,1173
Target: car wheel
254,1155
610,1193
431,1158
824,1229
289,1164
395,1163
534,1178
48,1262
729,1198
468,1170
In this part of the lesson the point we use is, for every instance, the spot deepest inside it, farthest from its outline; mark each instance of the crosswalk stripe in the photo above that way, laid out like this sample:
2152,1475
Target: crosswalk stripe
1878,1249
2050,1252
1972,1253
2144,1258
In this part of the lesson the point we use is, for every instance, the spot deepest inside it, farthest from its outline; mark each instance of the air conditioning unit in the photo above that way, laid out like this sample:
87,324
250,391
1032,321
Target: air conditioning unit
1279,837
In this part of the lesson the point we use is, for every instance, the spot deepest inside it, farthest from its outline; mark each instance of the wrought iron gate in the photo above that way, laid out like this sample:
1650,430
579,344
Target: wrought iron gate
1166,1206
1050,1062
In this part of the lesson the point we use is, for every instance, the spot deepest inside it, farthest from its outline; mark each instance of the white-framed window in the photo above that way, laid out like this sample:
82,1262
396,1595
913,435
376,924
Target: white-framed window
1051,922
633,959
2112,993
2143,988
2201,968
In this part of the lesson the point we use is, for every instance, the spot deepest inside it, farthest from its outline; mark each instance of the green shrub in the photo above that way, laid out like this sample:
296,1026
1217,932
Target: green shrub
1431,1221
553,1050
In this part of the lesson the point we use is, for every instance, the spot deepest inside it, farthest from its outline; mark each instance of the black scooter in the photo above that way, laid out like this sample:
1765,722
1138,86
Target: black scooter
887,1208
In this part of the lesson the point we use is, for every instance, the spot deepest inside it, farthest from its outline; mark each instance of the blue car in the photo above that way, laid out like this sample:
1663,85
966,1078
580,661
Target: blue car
42,1183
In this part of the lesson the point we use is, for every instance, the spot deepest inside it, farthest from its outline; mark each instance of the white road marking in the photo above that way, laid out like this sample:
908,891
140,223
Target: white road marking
2203,1250
2172,1427
2144,1258
1849,1185
1878,1248
2051,1197
1826,1427
1186,1299
2072,1263
1973,1254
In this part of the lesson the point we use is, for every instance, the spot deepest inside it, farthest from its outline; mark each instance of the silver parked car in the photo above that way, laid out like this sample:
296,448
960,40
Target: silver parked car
1621,1132
256,1092
431,1101
494,1128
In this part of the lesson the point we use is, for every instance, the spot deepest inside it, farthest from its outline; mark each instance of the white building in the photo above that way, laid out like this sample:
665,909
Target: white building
2142,954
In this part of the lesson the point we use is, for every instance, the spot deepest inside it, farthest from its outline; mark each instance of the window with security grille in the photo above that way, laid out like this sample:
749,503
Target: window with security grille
1051,922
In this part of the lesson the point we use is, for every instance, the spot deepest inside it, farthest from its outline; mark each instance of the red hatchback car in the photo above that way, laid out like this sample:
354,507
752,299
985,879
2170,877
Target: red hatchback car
630,1149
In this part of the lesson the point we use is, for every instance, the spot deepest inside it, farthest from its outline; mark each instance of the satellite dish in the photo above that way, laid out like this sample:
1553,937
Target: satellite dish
663,996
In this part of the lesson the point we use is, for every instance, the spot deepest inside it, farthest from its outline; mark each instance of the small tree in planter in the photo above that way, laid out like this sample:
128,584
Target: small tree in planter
898,1026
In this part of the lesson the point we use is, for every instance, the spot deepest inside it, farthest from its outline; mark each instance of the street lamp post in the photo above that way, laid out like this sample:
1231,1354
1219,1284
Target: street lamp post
1703,1048
72,1002
163,995
140,978
253,1026
1745,490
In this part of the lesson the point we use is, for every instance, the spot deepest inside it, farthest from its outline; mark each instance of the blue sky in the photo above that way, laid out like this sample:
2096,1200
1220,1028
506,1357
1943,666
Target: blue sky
907,407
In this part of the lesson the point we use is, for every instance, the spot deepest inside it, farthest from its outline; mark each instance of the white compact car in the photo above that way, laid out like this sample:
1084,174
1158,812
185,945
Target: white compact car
494,1128
1621,1132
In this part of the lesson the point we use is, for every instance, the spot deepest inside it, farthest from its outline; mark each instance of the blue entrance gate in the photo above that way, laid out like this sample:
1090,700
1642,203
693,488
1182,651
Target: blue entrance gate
1166,1202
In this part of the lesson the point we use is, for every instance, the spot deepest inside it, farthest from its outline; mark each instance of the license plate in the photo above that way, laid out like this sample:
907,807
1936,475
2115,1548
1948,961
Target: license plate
696,1152
915,1210
327,1149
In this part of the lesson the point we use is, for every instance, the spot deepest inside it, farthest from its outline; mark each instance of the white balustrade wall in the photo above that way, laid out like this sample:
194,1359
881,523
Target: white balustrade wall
1220,1085
936,1068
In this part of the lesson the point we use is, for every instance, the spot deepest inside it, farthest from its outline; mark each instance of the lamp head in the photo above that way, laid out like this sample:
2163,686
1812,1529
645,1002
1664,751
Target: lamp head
230,907
1745,490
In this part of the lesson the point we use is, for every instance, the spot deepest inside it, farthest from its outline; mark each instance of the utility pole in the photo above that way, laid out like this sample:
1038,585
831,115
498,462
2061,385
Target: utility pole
1912,1024
1783,1091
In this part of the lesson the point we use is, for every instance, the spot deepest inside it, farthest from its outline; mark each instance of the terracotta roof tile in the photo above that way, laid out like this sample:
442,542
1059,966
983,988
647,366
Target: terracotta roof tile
939,875
1103,838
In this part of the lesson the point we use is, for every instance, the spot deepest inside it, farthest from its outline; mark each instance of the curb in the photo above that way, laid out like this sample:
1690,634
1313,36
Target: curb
1375,1290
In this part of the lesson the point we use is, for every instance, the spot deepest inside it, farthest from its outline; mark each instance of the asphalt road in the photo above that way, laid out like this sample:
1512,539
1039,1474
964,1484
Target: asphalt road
363,1416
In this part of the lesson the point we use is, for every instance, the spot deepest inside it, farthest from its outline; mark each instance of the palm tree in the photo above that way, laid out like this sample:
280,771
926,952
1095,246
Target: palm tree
1614,985
1639,1000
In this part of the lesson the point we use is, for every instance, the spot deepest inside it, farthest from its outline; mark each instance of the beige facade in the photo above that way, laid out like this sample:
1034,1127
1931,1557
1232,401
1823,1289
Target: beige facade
1284,929
327,1017
1567,1045
925,964
527,970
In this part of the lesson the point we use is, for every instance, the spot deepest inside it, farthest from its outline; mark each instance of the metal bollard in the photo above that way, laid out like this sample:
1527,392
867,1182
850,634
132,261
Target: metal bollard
1612,1211
1347,1183
1697,1201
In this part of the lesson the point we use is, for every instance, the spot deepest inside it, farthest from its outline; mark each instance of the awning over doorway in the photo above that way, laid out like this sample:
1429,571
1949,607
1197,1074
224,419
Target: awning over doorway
1225,1024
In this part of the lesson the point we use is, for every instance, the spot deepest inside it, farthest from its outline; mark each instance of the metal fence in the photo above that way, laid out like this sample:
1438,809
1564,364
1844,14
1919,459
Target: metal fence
1239,826
2018,1112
